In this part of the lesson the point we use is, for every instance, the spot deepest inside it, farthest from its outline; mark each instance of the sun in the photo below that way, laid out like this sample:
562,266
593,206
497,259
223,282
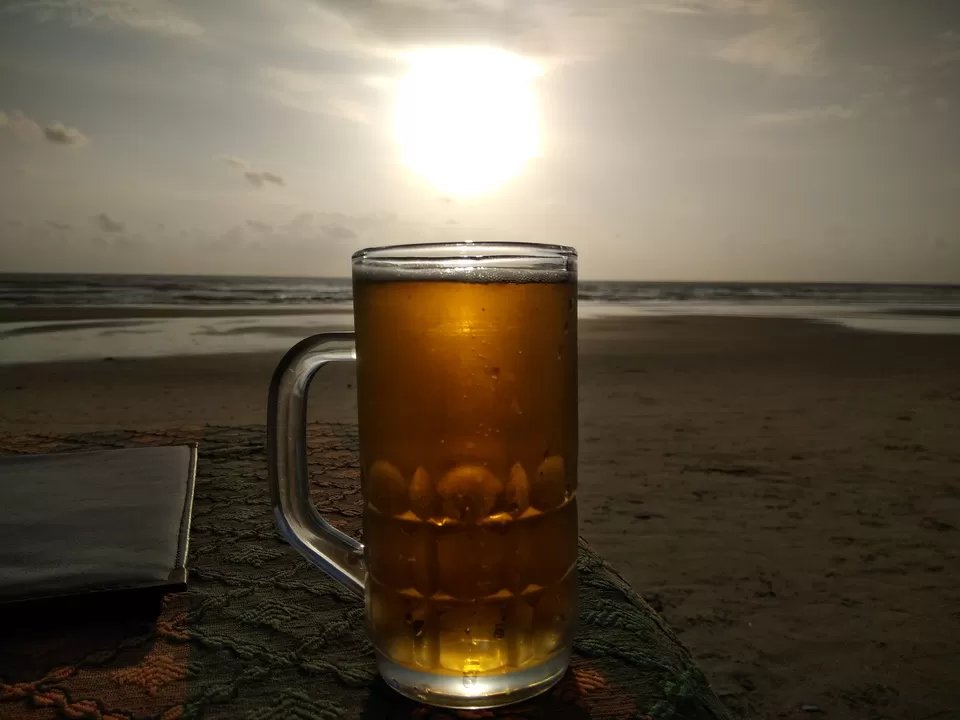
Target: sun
467,118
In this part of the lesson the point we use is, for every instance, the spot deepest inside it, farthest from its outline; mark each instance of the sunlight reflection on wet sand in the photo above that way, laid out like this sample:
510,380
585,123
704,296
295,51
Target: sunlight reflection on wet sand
86,339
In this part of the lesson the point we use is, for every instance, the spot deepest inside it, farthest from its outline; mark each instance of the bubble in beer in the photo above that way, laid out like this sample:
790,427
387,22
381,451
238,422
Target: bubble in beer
518,490
548,487
423,499
386,489
468,492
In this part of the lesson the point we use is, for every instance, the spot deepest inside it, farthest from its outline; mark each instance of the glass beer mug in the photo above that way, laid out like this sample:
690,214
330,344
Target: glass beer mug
467,400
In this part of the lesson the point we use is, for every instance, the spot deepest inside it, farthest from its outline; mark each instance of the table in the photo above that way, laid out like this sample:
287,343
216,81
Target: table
261,634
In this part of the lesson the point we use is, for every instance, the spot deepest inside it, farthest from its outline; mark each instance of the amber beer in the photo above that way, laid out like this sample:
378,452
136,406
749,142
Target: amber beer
468,409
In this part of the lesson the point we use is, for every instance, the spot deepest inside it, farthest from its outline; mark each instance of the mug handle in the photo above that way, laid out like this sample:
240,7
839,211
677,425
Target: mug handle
334,552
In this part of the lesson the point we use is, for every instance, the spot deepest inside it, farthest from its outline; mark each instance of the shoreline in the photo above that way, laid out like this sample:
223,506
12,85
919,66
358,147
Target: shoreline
83,333
58,313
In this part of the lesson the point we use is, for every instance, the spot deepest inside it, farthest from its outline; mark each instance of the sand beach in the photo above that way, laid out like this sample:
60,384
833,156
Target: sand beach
786,493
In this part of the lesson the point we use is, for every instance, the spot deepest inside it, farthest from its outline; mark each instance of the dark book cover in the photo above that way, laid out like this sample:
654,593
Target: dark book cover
95,524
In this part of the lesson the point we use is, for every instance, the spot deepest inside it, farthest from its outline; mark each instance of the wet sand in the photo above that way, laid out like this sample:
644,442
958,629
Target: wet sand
71,313
786,493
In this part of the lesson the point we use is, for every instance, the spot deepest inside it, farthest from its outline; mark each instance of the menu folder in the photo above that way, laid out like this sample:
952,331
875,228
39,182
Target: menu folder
93,525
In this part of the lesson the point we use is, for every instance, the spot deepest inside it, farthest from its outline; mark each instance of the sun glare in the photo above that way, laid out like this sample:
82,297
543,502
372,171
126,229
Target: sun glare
466,117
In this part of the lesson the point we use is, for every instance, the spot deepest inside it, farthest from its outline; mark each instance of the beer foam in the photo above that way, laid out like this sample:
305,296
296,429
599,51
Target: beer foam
481,271
467,262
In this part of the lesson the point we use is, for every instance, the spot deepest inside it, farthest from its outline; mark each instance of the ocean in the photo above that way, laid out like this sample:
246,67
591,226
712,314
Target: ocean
141,290
269,313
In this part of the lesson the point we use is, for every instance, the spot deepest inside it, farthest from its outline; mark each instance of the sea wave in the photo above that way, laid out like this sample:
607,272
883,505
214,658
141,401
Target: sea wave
136,290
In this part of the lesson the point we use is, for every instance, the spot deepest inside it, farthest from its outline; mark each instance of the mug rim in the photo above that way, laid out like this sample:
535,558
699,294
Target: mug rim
461,250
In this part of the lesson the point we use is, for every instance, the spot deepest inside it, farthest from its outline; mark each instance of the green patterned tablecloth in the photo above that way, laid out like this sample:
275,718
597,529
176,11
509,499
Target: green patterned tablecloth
261,634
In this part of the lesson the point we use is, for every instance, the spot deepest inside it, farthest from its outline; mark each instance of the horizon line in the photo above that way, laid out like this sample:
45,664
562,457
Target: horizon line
900,283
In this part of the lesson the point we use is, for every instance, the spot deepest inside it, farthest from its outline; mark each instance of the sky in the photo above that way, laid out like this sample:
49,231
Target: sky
754,140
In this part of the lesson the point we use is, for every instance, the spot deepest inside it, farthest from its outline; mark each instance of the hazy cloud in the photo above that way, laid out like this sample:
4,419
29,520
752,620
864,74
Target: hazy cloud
337,233
341,96
108,224
792,47
257,179
235,162
22,127
155,16
737,7
260,226
549,30
947,49
803,115
27,129
63,135
670,8
416,22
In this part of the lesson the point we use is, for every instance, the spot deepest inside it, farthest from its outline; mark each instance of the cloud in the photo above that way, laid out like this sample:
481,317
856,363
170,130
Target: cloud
27,129
235,162
160,17
58,225
307,231
260,226
670,8
21,126
947,49
789,40
61,134
701,7
548,30
418,22
108,224
370,41
789,49
911,78
803,115
341,96
257,179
